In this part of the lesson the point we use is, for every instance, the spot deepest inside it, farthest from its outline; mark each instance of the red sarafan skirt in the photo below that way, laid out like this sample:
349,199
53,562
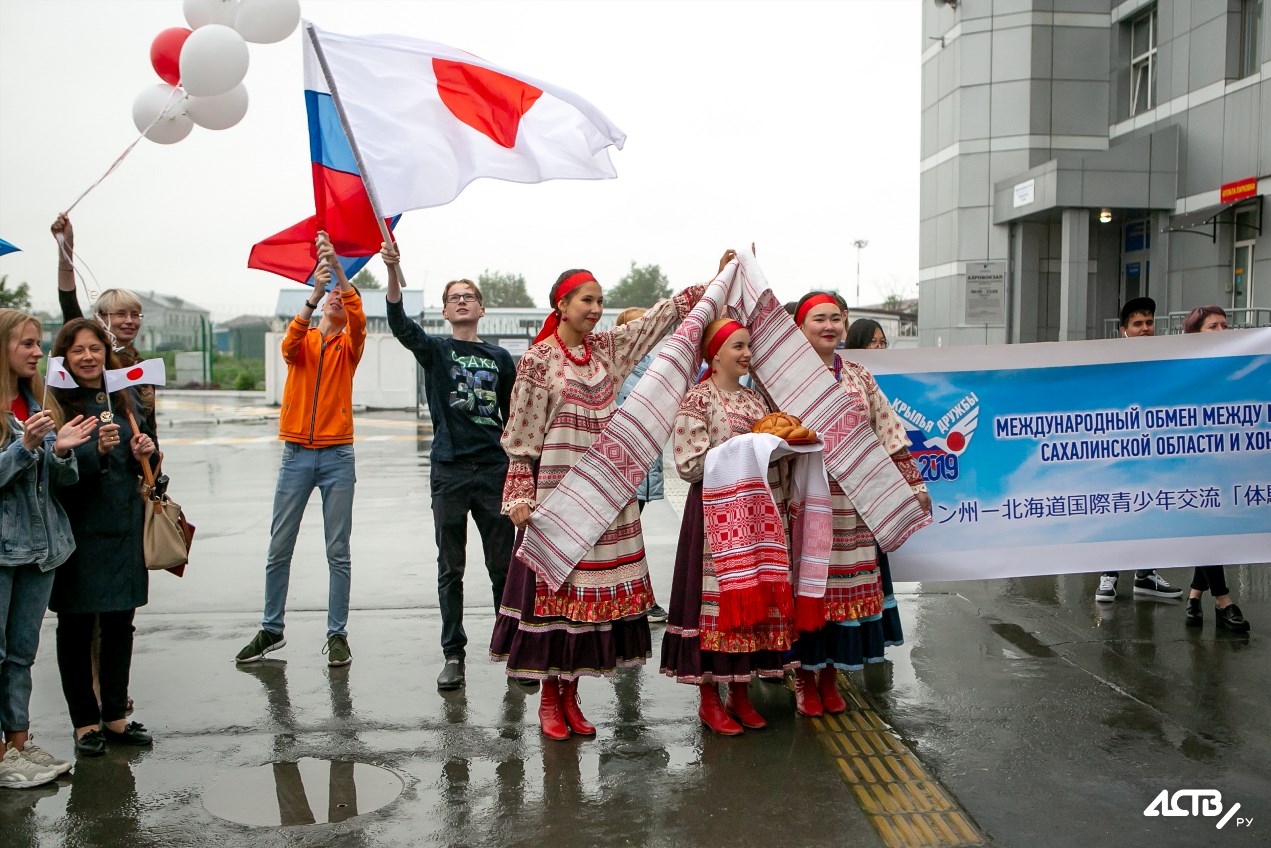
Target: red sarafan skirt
683,656
537,647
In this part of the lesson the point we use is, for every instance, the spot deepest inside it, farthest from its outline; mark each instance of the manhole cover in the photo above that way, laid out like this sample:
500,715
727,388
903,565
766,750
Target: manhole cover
308,791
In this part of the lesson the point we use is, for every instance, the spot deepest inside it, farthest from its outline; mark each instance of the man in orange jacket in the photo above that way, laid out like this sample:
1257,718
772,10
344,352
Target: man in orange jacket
316,427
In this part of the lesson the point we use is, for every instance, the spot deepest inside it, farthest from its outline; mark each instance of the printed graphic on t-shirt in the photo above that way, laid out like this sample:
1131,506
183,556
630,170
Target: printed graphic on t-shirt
476,380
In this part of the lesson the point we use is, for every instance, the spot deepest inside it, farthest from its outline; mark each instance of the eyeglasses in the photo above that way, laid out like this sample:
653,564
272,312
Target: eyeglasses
461,298
121,316
877,345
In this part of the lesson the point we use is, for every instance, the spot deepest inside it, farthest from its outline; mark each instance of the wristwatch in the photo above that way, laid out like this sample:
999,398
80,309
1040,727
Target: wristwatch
311,305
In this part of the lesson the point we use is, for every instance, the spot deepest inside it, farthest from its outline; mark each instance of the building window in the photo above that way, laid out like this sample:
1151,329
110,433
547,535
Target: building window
1143,62
1250,37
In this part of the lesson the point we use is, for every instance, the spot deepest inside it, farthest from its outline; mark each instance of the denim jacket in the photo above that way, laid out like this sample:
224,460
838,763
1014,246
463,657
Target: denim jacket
33,526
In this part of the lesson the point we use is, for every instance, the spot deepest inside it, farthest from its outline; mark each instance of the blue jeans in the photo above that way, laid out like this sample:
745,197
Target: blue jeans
24,597
331,471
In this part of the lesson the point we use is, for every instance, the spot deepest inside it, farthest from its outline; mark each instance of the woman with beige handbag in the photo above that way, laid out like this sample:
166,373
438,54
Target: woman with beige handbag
106,578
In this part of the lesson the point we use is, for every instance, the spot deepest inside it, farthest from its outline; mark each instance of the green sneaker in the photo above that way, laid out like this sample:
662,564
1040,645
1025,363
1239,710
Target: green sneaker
261,645
337,651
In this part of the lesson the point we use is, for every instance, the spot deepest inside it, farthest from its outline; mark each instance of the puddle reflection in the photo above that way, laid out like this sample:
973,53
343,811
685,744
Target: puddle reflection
307,791
297,791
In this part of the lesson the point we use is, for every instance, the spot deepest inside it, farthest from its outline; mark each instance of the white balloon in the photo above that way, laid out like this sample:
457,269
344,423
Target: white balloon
200,13
267,21
220,112
164,102
213,60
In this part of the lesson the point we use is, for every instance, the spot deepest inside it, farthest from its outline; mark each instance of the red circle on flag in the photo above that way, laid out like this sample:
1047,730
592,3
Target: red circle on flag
956,441
135,373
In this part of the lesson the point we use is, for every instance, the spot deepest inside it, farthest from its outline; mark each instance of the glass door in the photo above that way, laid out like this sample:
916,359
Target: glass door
1242,260
1242,275
1134,259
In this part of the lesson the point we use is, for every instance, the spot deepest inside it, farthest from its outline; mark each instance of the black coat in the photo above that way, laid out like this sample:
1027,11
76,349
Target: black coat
107,572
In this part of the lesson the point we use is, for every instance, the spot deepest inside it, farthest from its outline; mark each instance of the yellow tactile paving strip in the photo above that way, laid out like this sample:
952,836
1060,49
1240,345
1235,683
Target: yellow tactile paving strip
903,802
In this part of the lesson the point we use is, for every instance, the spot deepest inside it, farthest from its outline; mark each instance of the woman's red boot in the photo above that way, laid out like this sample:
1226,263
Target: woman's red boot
740,706
573,713
712,712
807,700
831,697
550,715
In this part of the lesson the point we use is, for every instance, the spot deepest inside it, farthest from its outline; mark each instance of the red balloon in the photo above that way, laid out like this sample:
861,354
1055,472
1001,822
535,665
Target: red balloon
165,53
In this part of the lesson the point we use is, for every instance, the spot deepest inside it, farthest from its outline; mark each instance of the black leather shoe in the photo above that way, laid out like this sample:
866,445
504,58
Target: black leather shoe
91,744
1230,618
134,733
451,676
1194,616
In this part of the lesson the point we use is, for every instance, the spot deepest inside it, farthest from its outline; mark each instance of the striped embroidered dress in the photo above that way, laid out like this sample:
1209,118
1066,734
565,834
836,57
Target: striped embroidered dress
558,408
861,621
696,649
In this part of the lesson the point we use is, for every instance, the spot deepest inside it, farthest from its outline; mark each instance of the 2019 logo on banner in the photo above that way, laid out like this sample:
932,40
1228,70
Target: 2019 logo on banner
937,445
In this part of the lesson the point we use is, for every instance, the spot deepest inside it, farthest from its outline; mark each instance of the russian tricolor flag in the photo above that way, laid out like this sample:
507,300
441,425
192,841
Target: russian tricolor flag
343,209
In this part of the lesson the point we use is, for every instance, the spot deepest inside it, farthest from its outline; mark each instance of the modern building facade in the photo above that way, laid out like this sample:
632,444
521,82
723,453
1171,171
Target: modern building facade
1078,153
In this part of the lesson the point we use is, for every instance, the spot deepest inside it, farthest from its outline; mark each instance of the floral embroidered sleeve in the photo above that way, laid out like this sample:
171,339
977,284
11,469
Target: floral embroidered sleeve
528,417
889,429
908,469
690,437
625,346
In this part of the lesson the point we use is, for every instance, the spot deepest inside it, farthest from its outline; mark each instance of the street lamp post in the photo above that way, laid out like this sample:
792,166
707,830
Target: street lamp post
858,244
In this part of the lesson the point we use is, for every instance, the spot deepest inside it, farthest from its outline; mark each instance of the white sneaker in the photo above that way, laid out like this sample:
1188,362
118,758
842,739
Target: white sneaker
42,758
17,772
1107,590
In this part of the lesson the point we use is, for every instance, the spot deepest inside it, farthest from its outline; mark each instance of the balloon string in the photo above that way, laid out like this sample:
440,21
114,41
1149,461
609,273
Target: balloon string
92,294
163,113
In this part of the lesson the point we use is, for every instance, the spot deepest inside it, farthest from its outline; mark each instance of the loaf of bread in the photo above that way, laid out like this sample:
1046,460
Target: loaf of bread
783,425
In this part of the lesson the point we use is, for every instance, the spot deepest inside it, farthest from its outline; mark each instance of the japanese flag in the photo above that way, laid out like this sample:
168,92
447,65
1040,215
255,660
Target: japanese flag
428,119
150,372
58,377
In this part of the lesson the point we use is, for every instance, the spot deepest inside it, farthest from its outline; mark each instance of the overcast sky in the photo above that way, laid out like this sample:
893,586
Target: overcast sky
793,124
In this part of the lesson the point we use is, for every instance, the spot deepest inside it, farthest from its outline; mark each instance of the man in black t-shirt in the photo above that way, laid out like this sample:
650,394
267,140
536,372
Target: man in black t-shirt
469,387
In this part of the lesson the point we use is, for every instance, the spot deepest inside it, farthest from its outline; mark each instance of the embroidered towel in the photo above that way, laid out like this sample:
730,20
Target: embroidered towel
568,522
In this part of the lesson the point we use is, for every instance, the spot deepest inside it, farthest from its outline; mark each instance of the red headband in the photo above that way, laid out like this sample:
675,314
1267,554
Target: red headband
810,304
715,342
721,335
559,290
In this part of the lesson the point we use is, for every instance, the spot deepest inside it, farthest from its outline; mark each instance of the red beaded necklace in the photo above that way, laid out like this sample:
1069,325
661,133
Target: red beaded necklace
583,360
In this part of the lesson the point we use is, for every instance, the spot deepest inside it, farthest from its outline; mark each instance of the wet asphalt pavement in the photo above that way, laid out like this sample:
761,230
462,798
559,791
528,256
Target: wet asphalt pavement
1051,720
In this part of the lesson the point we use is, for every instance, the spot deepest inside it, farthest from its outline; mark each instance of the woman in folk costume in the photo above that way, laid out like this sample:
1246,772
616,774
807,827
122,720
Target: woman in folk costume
697,647
562,399
859,624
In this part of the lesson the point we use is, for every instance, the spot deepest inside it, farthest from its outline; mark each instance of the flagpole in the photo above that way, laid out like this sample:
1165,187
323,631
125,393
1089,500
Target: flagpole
348,132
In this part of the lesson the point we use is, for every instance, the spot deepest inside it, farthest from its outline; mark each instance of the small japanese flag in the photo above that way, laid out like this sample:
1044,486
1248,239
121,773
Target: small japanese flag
58,377
150,372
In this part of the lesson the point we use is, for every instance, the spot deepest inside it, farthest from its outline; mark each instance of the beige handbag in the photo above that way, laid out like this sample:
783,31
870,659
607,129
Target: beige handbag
166,533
